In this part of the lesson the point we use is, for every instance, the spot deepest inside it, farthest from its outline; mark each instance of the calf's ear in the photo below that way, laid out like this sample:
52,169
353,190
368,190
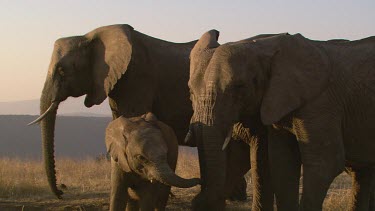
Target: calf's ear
116,141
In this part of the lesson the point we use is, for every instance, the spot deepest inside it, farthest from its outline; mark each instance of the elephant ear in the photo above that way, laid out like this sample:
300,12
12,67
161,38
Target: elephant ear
111,55
299,73
171,141
202,52
168,133
208,40
116,142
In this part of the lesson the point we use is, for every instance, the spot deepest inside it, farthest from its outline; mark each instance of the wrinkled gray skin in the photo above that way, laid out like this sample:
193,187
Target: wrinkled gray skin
317,98
209,134
138,74
144,154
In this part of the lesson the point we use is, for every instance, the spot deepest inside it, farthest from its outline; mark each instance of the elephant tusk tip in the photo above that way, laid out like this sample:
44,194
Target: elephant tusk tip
226,142
228,138
33,123
187,137
52,107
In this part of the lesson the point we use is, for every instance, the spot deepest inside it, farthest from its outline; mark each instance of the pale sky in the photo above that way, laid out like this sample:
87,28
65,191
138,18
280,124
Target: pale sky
28,29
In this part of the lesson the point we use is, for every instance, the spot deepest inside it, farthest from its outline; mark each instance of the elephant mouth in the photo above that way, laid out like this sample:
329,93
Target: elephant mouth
152,180
53,107
88,102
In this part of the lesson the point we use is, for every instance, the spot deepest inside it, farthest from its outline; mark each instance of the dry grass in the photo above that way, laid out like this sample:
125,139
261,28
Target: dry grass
22,179
338,197
23,184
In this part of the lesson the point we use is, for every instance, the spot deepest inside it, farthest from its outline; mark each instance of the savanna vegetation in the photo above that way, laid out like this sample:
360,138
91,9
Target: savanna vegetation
23,185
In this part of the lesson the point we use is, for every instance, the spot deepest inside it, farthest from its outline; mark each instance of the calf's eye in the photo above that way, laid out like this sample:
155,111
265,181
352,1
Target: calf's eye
141,158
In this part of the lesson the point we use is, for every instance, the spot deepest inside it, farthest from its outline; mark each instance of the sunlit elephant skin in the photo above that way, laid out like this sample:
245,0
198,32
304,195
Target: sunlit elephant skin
210,138
144,154
138,74
316,97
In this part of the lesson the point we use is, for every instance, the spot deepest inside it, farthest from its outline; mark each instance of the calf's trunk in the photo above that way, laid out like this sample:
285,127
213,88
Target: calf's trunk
164,174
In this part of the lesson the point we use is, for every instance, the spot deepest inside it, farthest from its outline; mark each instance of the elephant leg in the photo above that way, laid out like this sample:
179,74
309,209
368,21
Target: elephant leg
316,181
323,158
285,167
148,202
163,195
238,192
372,191
132,205
119,190
238,164
362,189
260,174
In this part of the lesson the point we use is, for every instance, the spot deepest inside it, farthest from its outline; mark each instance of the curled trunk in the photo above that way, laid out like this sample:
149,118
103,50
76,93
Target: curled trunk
48,130
164,174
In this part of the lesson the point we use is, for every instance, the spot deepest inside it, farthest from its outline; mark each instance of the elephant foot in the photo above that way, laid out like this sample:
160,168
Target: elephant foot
204,201
239,191
241,196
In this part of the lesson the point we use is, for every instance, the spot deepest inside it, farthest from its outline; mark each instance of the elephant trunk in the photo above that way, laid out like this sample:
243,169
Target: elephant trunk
164,174
48,130
212,159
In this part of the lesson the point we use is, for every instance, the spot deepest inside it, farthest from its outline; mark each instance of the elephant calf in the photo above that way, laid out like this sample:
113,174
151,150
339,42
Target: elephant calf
143,159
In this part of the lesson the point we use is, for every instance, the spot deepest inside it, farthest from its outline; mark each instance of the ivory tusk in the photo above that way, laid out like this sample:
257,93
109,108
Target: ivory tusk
52,107
227,139
188,137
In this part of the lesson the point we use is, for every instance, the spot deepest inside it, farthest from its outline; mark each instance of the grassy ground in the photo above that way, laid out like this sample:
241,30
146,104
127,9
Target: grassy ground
23,186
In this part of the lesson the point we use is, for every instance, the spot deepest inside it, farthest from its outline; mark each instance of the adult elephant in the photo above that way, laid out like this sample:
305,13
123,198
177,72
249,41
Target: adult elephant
207,132
138,74
316,97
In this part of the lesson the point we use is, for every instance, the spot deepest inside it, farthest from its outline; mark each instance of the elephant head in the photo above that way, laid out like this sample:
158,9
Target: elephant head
268,76
143,145
82,65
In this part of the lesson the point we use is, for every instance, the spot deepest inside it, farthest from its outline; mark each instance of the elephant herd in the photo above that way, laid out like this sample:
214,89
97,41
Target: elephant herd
277,103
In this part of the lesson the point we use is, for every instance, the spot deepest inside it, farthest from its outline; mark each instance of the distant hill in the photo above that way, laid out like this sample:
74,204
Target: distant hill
75,137
70,107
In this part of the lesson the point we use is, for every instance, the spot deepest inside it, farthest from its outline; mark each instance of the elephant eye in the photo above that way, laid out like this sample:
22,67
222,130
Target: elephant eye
60,71
239,86
141,158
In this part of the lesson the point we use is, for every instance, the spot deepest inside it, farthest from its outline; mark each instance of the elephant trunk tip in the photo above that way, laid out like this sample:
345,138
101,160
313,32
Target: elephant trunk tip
187,183
165,175
59,194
